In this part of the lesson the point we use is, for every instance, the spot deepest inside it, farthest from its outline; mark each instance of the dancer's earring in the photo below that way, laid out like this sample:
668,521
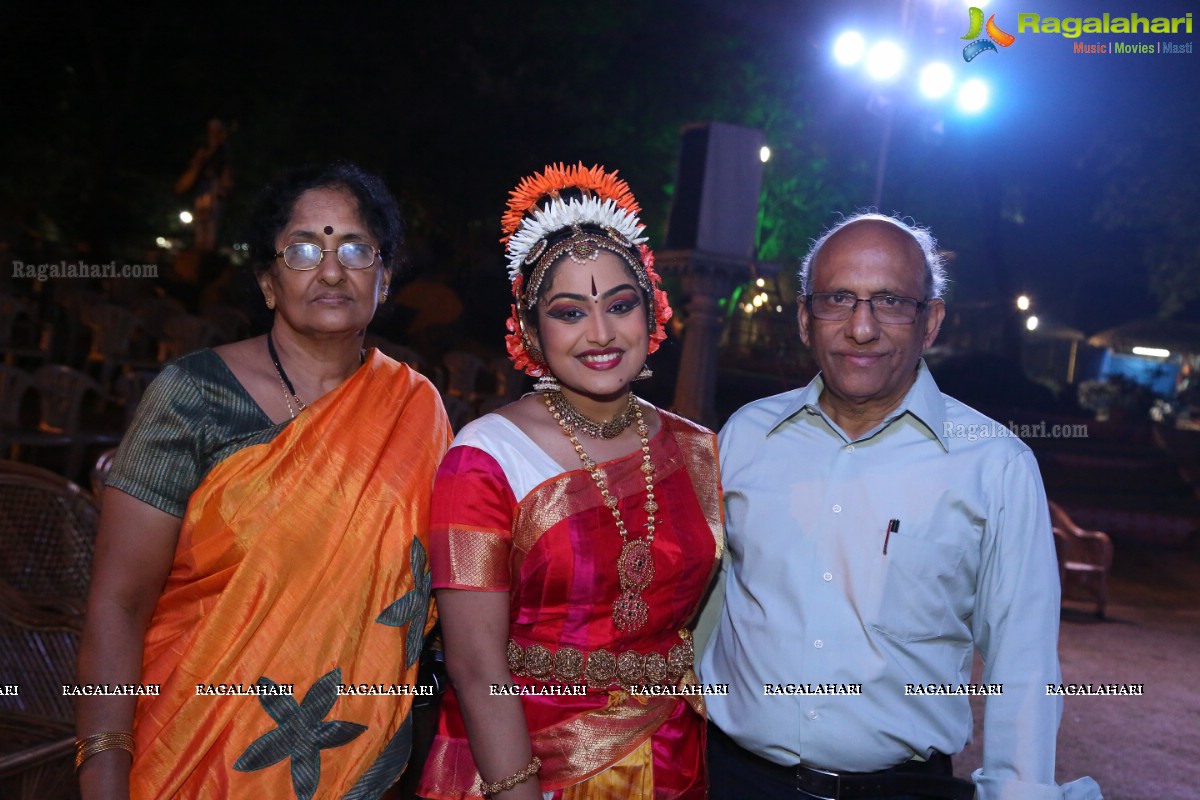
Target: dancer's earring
547,383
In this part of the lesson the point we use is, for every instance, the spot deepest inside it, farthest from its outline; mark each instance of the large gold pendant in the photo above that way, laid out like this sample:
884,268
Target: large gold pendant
635,567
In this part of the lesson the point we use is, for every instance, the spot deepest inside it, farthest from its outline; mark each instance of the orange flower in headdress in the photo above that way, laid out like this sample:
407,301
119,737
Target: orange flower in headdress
662,306
556,177
515,341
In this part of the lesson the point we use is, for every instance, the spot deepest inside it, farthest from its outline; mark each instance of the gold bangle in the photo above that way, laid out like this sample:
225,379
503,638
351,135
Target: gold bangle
530,770
99,742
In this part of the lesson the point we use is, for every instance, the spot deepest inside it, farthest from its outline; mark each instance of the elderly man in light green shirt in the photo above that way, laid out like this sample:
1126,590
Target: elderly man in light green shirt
873,545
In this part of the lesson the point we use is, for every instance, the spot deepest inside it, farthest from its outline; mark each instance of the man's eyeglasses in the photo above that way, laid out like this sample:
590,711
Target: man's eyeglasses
887,308
304,256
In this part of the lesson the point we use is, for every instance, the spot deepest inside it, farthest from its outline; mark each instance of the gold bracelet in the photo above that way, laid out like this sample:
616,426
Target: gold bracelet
490,789
99,742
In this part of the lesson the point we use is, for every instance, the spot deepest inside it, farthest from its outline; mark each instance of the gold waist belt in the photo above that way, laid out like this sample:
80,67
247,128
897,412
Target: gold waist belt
601,669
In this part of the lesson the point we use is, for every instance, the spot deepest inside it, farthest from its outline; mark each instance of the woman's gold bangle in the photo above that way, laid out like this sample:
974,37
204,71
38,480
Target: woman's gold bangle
99,742
530,770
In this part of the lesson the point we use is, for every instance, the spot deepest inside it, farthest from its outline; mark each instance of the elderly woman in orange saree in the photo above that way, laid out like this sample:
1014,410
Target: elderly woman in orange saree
574,531
261,564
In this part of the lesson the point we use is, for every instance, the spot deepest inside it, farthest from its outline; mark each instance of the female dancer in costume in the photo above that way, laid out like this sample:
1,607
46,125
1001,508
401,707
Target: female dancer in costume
574,531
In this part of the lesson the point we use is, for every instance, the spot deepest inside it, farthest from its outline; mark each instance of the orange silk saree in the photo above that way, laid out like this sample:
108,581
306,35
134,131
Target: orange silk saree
301,565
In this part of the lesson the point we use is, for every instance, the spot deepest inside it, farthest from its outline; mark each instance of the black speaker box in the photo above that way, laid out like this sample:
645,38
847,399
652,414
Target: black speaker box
716,190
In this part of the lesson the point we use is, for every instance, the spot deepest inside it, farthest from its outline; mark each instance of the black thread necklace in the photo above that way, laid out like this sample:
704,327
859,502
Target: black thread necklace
289,391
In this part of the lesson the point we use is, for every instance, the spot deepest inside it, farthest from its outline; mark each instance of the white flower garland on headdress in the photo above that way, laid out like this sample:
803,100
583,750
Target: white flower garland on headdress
559,214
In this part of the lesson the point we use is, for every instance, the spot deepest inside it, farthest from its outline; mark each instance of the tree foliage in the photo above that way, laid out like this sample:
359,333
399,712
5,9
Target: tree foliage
452,106
1150,186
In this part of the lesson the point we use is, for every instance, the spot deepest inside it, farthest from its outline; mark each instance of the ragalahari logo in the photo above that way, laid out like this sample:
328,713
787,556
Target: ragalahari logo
998,37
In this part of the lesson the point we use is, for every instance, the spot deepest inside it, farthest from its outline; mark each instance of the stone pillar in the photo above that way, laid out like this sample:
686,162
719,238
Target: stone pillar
706,277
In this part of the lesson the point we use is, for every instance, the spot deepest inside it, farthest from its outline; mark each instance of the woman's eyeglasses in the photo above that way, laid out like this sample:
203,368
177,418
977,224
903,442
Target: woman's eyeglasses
304,256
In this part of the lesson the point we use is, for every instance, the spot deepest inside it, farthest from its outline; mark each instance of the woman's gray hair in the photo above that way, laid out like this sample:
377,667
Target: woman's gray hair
935,263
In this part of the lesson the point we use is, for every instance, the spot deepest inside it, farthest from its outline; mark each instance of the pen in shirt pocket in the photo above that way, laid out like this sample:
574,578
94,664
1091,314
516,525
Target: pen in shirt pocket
892,527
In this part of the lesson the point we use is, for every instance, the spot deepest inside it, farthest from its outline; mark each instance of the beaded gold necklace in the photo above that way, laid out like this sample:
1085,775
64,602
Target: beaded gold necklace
635,565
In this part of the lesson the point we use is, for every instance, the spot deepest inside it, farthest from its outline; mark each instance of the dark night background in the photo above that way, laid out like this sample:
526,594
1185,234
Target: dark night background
1078,184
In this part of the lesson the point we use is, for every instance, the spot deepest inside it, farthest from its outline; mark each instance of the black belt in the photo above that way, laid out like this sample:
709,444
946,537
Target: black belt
932,778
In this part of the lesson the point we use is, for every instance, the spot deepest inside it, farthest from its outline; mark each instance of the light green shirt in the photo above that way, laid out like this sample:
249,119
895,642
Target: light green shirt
812,600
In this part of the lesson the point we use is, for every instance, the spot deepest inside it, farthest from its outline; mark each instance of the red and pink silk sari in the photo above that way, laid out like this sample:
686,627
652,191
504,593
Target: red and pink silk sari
554,549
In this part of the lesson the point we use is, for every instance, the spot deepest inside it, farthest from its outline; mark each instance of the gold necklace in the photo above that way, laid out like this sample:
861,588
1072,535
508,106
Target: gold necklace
635,565
597,430
285,383
288,398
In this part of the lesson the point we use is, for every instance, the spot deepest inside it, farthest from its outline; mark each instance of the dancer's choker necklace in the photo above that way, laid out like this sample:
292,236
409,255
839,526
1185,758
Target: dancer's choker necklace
611,429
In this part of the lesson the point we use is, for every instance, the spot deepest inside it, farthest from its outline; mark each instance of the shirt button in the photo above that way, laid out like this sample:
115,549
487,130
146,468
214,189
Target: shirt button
828,576
837,509
849,448
818,644
813,715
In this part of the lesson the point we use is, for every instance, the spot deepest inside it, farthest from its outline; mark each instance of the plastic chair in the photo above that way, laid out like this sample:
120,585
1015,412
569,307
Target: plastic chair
62,390
21,338
230,323
128,391
113,330
154,312
186,334
394,351
15,384
510,383
464,369
458,411
1084,560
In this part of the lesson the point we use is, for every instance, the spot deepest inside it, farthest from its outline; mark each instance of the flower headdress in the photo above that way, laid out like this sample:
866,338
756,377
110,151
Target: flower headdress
604,217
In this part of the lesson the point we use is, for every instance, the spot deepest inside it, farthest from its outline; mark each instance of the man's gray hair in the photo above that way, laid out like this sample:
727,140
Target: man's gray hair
935,263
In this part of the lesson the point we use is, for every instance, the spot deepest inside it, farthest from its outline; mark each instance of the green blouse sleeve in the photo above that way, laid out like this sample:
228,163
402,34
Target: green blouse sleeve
159,461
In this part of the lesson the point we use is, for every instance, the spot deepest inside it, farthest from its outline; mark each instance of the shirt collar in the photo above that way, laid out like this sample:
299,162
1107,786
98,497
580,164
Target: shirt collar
924,402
